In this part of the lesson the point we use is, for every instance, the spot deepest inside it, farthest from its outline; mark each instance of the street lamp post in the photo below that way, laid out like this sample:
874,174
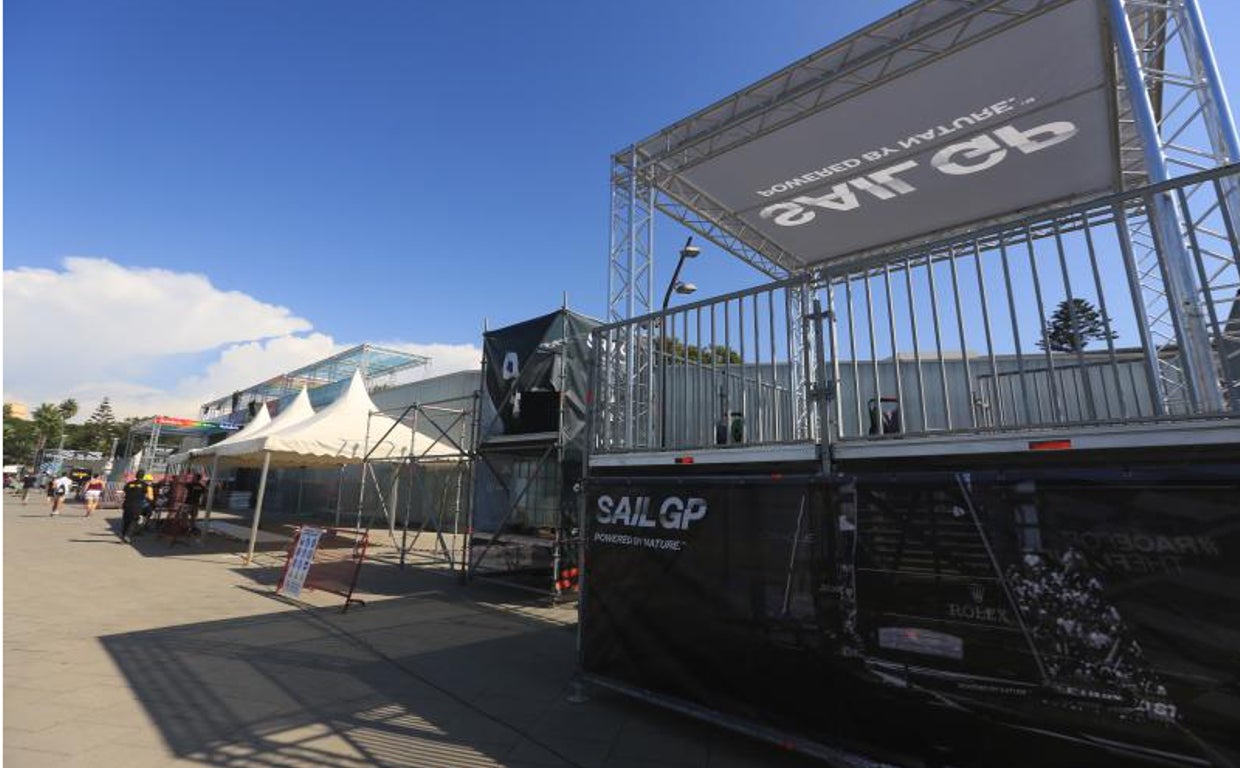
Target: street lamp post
678,286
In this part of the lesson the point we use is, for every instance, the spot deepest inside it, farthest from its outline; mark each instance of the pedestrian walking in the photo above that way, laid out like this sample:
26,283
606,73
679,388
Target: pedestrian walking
60,489
28,483
195,492
137,501
94,493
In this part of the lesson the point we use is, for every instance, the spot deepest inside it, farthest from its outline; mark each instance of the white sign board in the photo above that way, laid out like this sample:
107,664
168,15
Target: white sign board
299,564
1017,120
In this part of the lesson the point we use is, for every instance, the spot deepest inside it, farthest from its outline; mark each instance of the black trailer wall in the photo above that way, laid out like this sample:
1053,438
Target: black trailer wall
1085,617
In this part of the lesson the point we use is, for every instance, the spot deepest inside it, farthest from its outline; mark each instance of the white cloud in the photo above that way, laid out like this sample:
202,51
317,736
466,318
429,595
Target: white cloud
98,328
445,358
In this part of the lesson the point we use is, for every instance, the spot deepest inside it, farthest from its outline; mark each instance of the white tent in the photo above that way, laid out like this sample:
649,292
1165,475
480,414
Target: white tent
341,433
255,425
297,411
240,444
348,431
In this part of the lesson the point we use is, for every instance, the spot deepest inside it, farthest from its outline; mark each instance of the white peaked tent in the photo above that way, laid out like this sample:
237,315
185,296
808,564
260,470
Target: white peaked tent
297,411
242,443
348,431
259,422
255,425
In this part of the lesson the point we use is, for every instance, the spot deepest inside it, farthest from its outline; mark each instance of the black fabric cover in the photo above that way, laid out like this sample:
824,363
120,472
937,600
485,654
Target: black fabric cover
550,357
1039,617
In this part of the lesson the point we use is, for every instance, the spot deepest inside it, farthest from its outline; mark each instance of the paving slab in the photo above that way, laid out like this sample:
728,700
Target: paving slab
157,655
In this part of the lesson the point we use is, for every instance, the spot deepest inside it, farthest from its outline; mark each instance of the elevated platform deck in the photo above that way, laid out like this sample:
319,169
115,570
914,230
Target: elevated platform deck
1186,436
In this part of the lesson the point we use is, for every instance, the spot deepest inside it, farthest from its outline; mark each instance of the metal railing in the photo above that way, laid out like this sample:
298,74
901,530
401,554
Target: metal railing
709,373
1045,321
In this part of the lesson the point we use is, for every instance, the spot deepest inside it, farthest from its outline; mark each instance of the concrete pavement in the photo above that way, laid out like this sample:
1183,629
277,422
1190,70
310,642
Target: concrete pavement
153,655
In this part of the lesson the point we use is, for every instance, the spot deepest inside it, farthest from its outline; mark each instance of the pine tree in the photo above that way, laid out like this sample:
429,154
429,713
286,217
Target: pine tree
101,427
1062,335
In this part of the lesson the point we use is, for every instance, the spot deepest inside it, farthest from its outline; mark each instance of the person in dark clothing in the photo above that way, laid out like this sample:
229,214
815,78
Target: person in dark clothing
137,501
195,492
28,482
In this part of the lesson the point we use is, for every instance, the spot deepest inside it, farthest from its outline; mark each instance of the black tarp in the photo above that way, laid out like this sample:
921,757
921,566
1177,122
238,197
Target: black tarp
1039,617
532,452
536,368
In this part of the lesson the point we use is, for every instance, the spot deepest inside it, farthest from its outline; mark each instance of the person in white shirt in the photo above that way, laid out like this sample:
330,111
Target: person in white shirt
60,489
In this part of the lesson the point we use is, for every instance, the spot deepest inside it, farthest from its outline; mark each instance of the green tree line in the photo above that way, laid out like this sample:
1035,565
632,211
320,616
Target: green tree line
718,354
50,422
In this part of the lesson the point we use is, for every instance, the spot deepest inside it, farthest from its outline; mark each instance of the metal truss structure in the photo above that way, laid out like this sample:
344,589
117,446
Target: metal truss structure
1179,122
380,367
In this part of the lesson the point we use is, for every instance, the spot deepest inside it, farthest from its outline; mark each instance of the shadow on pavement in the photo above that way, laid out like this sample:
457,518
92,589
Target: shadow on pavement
433,678
152,542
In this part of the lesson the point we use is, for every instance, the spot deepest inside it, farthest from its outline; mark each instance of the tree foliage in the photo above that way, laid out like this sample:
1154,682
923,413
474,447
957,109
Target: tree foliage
100,428
68,408
49,421
1062,334
19,438
718,354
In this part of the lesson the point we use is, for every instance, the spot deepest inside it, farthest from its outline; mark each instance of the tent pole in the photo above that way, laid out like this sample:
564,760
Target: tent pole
258,507
211,483
391,503
361,490
339,494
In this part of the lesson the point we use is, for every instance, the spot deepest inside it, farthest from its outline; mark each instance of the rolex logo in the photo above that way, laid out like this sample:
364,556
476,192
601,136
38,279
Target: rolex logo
978,591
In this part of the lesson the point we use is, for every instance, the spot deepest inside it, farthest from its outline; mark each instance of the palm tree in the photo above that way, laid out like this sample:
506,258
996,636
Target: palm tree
49,421
68,408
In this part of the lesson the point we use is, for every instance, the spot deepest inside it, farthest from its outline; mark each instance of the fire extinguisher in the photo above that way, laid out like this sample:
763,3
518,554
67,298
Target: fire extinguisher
567,578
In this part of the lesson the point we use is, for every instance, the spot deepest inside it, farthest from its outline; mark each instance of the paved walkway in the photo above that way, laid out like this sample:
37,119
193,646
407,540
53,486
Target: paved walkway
153,655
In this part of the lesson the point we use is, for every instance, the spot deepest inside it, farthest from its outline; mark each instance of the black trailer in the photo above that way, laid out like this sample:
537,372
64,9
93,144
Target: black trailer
959,484
1080,608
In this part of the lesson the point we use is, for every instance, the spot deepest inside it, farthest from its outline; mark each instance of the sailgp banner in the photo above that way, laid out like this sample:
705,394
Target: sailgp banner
1018,120
1039,616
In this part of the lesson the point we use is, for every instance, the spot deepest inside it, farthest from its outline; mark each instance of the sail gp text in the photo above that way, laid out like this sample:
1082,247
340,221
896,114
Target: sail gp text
974,155
638,512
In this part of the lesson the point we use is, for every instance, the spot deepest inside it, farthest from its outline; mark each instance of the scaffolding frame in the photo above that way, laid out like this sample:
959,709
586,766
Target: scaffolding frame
443,519
546,449
146,436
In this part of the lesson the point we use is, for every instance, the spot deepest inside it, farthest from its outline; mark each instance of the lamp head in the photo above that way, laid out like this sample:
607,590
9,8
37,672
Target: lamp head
684,289
689,252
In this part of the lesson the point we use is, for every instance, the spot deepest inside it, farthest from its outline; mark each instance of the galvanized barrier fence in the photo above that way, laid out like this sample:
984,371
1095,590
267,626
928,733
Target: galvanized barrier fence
1121,310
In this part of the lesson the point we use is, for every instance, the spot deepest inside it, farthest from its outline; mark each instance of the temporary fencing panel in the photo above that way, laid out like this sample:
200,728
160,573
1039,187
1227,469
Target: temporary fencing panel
325,559
1080,615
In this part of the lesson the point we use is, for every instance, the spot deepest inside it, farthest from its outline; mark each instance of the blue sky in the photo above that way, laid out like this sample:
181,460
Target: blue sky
390,171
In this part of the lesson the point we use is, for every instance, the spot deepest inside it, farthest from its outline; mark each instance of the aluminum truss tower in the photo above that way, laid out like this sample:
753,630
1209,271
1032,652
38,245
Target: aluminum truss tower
1179,122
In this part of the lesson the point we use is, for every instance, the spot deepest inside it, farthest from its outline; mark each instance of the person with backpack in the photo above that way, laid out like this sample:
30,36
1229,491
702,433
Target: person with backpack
138,496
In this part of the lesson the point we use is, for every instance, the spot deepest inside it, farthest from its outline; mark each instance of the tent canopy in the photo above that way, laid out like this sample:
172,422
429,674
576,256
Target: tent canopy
297,412
341,433
260,421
